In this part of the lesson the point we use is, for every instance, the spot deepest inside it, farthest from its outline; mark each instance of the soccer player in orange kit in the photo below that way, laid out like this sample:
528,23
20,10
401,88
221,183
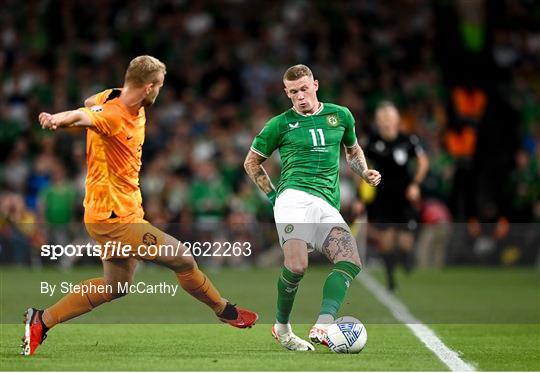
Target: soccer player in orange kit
115,122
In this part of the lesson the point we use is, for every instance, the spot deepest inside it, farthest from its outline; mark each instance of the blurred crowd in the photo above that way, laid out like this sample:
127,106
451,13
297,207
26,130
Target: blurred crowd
225,60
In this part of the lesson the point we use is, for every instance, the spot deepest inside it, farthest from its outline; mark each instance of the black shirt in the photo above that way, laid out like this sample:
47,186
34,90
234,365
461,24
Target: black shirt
392,159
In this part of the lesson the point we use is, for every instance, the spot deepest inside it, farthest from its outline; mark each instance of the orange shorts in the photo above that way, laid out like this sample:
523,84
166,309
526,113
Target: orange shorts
130,237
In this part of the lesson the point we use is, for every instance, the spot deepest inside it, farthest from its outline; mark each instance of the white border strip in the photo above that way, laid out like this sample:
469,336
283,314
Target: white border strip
258,152
449,357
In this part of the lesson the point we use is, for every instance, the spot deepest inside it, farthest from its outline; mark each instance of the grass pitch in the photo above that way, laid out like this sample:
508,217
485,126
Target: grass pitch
152,332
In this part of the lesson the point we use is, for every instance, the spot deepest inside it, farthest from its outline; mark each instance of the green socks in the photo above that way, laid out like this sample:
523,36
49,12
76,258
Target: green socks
287,286
336,285
334,290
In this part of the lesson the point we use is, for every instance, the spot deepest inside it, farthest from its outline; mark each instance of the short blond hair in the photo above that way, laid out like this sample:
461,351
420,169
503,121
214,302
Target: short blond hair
296,72
143,70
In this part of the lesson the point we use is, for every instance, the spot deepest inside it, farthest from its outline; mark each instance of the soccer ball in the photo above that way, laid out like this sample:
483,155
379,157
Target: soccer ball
346,336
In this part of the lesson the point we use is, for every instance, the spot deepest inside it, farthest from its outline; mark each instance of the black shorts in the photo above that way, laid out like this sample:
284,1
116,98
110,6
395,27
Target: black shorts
392,210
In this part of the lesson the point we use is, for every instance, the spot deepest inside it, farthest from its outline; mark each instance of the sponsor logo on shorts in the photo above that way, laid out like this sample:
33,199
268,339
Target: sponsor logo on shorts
289,228
149,239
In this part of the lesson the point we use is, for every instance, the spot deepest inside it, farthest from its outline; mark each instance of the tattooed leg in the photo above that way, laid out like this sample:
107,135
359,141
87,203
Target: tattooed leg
340,248
340,245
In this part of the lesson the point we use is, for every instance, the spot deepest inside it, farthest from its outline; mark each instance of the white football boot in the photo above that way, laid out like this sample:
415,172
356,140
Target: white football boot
318,333
291,341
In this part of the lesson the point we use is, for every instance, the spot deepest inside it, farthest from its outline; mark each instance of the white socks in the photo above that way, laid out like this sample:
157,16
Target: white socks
282,329
325,319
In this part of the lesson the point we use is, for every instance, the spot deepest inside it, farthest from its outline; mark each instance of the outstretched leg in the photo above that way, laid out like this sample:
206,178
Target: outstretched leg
89,295
196,283
115,271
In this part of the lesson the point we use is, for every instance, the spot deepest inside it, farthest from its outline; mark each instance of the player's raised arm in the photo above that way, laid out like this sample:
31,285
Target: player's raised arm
357,161
65,119
257,173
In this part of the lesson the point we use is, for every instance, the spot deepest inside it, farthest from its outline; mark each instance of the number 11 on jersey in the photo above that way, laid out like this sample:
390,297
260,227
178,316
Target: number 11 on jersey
314,137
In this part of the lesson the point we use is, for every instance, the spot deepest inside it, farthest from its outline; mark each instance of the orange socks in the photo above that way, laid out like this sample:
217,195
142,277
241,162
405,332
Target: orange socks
75,304
199,286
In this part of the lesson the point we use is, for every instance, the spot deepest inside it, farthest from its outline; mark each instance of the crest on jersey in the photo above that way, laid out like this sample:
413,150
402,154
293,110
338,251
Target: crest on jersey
379,146
96,108
149,239
400,156
332,120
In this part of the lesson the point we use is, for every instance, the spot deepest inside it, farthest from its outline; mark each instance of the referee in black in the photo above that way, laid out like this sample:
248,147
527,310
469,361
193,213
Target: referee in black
394,210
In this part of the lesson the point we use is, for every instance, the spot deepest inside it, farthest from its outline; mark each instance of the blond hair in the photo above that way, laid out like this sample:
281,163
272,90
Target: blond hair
296,72
143,70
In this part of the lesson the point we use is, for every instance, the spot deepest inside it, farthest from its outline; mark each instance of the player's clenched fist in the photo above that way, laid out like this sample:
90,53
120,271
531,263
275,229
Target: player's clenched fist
372,177
47,121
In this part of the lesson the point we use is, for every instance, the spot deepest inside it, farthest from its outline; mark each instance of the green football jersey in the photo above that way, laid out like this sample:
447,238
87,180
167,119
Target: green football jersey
309,146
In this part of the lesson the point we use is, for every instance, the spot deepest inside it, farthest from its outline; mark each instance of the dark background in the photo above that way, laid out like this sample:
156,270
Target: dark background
464,75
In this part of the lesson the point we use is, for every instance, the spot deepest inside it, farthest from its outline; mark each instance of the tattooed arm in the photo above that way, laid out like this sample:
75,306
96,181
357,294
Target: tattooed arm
357,161
256,172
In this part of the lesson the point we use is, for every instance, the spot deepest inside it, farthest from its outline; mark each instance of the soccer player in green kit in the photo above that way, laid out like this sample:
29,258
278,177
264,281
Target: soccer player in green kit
306,201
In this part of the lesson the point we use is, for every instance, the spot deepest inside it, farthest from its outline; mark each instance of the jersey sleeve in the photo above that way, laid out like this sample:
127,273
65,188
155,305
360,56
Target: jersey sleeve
101,97
349,136
416,147
267,140
106,120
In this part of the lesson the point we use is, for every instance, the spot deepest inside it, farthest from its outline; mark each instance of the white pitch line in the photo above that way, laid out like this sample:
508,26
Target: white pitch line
448,356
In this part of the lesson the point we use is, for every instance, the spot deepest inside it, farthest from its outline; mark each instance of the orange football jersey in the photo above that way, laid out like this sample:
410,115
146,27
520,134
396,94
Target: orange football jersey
113,156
